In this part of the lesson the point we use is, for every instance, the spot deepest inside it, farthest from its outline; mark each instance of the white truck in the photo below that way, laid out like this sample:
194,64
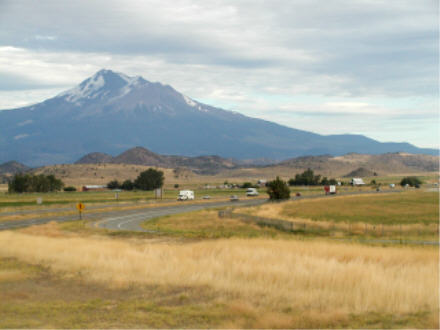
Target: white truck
185,195
251,192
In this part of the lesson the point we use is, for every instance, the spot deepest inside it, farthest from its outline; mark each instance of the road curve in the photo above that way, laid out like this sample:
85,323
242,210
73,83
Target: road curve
132,222
127,219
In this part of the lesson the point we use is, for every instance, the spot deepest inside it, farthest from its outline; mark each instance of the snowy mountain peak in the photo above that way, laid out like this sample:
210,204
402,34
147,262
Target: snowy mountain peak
104,83
108,91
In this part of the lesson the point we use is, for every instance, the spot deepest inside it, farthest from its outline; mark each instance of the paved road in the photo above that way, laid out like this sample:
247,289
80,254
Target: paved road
131,219
128,219
71,207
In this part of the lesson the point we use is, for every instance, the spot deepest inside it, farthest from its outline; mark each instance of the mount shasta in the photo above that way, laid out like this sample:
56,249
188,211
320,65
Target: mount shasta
111,112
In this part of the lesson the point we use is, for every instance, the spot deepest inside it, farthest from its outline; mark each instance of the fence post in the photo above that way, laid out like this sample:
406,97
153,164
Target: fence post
382,231
365,229
400,233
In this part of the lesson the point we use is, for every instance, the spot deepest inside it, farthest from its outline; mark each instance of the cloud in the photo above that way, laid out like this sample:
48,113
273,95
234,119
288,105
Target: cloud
49,38
290,61
362,47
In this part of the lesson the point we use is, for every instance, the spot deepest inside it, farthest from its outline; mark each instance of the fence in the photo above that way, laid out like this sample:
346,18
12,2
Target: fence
398,231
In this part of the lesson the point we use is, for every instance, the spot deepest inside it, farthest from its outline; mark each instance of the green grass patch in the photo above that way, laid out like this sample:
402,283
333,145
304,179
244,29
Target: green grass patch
398,208
207,224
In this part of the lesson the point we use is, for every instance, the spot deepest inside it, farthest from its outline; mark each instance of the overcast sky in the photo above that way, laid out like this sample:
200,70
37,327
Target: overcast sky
327,66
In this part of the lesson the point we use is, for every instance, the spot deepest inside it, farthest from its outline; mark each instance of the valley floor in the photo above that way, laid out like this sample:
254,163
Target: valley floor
202,271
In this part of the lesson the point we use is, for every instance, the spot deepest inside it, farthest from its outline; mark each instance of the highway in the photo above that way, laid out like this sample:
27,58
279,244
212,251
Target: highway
130,220
127,219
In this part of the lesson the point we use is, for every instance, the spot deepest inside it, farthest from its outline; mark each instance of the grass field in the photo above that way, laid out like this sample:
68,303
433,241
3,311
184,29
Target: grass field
408,215
217,283
202,271
207,224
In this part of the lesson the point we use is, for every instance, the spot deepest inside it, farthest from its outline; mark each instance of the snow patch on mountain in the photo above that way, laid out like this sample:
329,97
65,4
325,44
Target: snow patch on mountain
26,122
188,101
132,83
20,136
89,90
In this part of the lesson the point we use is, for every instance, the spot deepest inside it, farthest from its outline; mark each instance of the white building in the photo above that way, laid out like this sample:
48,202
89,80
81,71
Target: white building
357,182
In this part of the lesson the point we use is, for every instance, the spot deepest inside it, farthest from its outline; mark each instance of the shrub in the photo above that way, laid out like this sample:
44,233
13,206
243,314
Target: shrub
127,185
412,181
278,189
70,188
114,185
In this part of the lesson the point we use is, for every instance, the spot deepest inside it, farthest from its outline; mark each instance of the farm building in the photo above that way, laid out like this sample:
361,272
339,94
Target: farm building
357,182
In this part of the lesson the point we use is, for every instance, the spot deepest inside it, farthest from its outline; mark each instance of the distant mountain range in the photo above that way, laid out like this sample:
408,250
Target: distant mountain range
95,165
111,112
142,156
9,169
13,167
361,164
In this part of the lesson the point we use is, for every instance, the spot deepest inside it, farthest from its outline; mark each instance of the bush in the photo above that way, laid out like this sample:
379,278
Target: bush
149,180
412,181
127,185
176,186
278,189
114,185
247,185
70,188
332,182
307,178
34,183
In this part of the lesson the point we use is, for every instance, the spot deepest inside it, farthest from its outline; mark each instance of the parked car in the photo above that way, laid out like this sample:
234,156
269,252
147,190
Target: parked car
206,197
234,198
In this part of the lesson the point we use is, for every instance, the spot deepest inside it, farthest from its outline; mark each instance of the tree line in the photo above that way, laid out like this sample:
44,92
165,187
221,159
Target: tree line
147,180
34,183
308,178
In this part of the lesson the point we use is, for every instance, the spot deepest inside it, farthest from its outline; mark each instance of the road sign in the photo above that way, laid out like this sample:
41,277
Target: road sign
158,193
80,207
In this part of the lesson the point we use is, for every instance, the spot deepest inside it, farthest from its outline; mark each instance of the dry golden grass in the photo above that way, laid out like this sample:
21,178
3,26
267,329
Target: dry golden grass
317,278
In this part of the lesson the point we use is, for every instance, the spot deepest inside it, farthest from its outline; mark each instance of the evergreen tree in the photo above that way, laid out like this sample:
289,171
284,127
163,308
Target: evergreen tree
278,189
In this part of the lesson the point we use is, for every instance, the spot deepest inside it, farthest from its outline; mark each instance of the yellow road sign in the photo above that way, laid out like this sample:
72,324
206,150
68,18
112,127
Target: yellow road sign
80,206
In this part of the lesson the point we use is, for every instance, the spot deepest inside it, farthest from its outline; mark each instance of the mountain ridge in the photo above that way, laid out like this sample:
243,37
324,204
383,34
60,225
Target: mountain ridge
142,156
112,112
383,163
